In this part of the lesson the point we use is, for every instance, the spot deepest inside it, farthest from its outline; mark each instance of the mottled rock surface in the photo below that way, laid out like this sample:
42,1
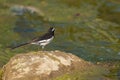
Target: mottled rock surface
49,65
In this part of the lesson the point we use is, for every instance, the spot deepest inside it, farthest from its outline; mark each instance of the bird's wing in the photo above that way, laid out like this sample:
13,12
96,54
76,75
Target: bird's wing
41,38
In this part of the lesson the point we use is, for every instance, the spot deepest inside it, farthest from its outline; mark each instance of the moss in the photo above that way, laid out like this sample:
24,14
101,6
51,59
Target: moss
92,73
1,72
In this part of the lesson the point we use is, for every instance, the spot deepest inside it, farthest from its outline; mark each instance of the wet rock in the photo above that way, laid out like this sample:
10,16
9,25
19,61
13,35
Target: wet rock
47,65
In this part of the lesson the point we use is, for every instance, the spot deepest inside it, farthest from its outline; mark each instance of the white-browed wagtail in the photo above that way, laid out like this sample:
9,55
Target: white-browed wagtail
42,40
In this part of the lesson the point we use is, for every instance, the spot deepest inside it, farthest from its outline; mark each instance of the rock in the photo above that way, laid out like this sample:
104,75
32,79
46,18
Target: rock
21,10
47,65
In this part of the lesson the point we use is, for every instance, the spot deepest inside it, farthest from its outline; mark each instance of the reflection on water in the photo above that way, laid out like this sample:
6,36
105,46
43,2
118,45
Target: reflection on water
112,10
23,27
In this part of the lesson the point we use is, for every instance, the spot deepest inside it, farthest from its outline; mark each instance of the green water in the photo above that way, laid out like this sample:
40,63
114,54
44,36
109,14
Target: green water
88,29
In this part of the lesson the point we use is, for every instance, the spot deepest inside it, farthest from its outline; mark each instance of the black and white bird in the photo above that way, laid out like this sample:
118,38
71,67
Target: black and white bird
42,40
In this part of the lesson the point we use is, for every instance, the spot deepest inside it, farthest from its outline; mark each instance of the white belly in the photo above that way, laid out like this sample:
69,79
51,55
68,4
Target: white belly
43,42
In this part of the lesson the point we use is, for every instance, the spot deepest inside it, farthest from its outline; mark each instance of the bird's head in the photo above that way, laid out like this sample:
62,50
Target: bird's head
51,29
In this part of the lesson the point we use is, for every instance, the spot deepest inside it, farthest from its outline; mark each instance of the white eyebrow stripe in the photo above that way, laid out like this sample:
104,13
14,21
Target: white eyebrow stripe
53,29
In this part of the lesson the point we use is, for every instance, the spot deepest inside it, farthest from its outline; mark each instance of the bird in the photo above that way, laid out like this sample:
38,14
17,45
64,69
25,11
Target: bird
41,40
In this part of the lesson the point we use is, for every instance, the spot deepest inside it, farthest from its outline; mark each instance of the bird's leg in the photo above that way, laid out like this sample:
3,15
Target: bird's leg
39,47
43,47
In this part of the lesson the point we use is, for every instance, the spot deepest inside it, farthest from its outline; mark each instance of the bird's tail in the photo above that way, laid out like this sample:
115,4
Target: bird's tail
20,45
